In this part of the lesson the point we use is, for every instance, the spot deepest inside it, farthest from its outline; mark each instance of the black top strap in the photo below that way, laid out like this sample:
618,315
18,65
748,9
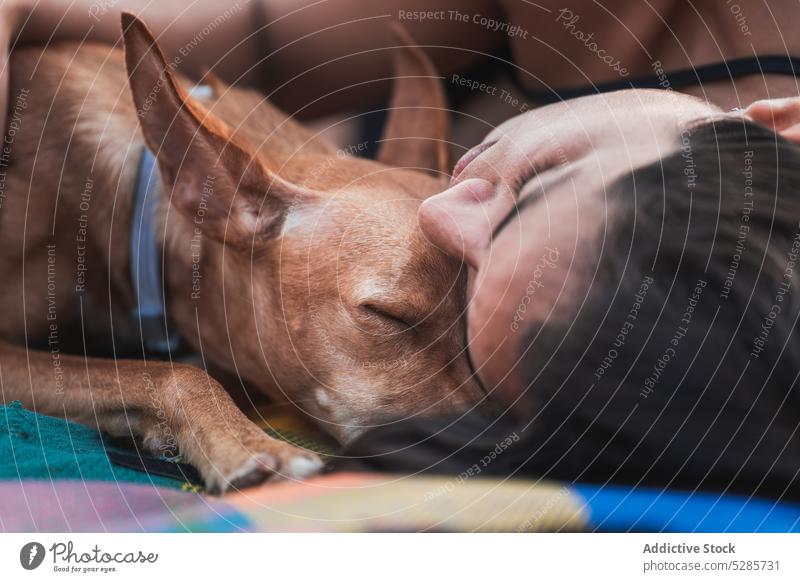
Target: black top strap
721,71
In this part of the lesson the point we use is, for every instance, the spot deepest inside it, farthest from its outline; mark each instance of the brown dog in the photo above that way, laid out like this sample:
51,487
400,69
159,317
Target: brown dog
297,268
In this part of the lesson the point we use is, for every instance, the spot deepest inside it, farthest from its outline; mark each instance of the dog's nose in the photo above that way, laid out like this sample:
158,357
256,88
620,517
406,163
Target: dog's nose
460,220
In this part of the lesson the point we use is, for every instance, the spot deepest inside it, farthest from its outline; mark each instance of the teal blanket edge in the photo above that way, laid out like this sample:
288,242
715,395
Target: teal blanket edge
35,446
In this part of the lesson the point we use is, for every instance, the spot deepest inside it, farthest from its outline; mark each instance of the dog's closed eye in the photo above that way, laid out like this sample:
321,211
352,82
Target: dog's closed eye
386,314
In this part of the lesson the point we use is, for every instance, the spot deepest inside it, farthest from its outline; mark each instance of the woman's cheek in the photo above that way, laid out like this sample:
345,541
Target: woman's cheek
493,341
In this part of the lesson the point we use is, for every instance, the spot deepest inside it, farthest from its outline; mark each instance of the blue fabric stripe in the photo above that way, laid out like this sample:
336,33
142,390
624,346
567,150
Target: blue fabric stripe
214,518
614,509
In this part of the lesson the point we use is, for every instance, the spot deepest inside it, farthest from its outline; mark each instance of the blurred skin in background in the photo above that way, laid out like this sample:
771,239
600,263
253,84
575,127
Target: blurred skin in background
306,54
532,191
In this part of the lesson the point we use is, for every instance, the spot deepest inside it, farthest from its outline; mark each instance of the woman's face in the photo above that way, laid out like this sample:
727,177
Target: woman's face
526,211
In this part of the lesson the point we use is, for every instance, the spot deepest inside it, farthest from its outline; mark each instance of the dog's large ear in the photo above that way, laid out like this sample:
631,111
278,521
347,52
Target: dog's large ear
234,198
416,131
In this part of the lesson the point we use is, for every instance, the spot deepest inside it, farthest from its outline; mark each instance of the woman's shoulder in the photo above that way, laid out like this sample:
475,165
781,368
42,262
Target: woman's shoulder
590,43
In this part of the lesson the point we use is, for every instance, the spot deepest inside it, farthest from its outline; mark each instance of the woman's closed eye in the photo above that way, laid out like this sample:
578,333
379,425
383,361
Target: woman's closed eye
528,174
531,189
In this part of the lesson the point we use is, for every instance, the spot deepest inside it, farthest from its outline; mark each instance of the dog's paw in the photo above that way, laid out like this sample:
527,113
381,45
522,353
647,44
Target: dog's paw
274,461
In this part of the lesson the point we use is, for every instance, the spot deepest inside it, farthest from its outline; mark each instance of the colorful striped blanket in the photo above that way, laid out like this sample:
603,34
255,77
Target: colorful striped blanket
372,502
56,479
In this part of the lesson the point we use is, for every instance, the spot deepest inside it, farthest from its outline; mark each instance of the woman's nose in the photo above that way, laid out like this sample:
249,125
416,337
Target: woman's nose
461,219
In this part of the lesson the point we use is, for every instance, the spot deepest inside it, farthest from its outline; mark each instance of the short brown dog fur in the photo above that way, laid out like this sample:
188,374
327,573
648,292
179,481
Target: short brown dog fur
297,268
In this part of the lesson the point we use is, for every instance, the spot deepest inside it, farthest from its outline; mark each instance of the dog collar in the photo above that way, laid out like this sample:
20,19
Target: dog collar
146,260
